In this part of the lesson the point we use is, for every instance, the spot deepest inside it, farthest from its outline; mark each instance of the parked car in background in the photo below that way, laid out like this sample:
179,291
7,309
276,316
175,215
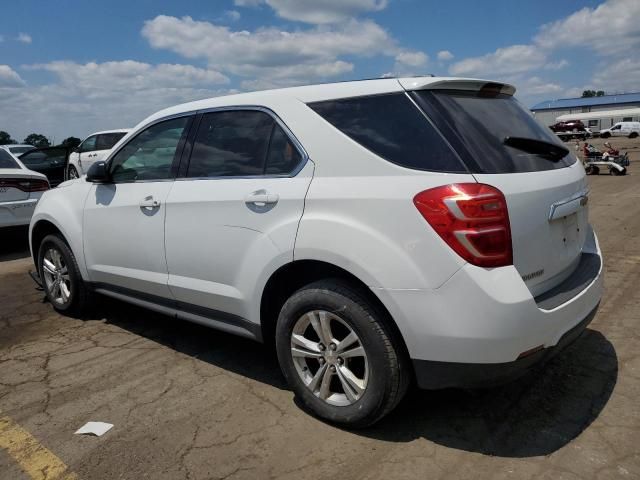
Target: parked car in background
18,149
622,129
94,148
20,190
574,126
51,161
361,227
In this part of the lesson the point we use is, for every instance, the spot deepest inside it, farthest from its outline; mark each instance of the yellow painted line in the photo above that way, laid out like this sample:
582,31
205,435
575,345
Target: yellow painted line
36,460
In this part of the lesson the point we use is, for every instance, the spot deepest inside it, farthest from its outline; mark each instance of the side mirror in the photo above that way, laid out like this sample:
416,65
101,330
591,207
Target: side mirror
98,173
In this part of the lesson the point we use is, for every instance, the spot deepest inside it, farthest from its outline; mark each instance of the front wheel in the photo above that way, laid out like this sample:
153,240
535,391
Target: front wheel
633,134
61,277
339,356
616,172
592,170
605,135
72,173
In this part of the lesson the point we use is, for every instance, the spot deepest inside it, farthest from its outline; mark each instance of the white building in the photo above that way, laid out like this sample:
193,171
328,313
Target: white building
595,112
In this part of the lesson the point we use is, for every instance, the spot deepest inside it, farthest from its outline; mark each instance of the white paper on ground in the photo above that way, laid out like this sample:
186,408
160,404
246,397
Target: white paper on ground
94,428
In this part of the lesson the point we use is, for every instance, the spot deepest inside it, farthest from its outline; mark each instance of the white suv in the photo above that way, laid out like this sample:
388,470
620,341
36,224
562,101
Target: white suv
378,232
95,148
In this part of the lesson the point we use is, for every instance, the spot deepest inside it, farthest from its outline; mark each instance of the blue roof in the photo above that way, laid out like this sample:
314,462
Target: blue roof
588,101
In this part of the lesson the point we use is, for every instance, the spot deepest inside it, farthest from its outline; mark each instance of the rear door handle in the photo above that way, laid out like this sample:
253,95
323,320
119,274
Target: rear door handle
149,202
261,198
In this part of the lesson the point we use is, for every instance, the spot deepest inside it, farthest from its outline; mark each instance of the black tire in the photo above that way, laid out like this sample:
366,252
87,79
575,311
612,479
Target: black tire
78,300
633,134
388,365
616,172
592,170
605,135
72,172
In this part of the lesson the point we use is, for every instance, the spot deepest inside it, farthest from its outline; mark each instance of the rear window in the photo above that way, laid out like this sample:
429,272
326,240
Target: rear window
19,150
477,124
393,128
6,160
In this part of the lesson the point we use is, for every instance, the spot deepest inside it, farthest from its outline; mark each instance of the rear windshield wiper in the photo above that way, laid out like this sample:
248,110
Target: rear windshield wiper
548,150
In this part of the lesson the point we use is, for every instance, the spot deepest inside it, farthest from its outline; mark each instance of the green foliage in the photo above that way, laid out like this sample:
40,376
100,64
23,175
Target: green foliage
71,142
593,93
5,138
37,140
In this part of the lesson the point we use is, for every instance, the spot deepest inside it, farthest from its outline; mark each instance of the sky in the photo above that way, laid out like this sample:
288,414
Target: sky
72,67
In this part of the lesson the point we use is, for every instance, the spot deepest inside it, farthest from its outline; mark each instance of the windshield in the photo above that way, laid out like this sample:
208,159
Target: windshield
6,160
477,126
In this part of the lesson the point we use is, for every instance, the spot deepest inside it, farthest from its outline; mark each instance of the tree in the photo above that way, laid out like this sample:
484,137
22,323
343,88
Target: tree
593,93
5,138
71,142
36,140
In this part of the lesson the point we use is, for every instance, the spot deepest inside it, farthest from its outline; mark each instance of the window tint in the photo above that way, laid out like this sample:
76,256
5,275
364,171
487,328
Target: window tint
20,150
283,156
149,155
477,123
627,119
52,157
89,145
106,141
393,128
232,143
6,160
593,123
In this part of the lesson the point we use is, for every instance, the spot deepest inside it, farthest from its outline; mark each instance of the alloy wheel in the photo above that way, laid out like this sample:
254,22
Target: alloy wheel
56,276
329,358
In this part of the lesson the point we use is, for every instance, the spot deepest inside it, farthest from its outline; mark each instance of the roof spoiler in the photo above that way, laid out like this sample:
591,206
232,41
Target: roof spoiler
470,84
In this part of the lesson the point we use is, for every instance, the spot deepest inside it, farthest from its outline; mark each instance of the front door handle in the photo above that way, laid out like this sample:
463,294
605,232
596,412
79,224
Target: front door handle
261,197
149,202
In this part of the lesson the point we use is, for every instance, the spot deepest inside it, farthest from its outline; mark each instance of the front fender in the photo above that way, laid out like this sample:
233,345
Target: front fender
63,207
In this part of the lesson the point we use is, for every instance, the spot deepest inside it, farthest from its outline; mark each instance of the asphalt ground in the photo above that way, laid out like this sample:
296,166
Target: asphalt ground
188,402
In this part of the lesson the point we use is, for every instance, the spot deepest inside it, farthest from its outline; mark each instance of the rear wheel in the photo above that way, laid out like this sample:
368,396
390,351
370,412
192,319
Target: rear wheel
592,170
72,172
61,277
339,356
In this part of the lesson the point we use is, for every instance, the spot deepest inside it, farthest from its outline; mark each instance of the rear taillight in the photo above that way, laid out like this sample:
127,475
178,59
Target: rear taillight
472,219
25,184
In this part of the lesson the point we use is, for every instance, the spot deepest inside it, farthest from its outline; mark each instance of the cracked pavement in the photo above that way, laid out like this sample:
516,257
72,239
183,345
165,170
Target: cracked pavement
193,403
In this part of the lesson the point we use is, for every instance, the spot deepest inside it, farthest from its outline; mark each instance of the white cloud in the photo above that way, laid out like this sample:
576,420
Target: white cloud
559,65
24,38
273,55
610,28
508,60
619,76
9,78
247,3
232,15
324,11
412,59
445,55
94,96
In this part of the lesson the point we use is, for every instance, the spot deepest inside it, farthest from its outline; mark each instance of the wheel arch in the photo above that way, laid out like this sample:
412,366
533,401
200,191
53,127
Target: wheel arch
39,231
294,275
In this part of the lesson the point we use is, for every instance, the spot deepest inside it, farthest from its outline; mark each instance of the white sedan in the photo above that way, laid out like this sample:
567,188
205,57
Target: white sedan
20,190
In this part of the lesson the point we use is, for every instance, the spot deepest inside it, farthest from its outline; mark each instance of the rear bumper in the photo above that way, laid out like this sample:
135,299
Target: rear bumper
17,213
489,318
431,375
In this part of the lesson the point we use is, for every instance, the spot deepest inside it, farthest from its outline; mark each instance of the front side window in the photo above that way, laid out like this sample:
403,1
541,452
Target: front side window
393,128
240,143
106,141
89,145
149,155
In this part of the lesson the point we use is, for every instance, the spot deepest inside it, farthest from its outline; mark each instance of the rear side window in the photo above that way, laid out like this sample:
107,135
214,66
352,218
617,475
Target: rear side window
241,143
6,160
393,128
106,141
476,124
